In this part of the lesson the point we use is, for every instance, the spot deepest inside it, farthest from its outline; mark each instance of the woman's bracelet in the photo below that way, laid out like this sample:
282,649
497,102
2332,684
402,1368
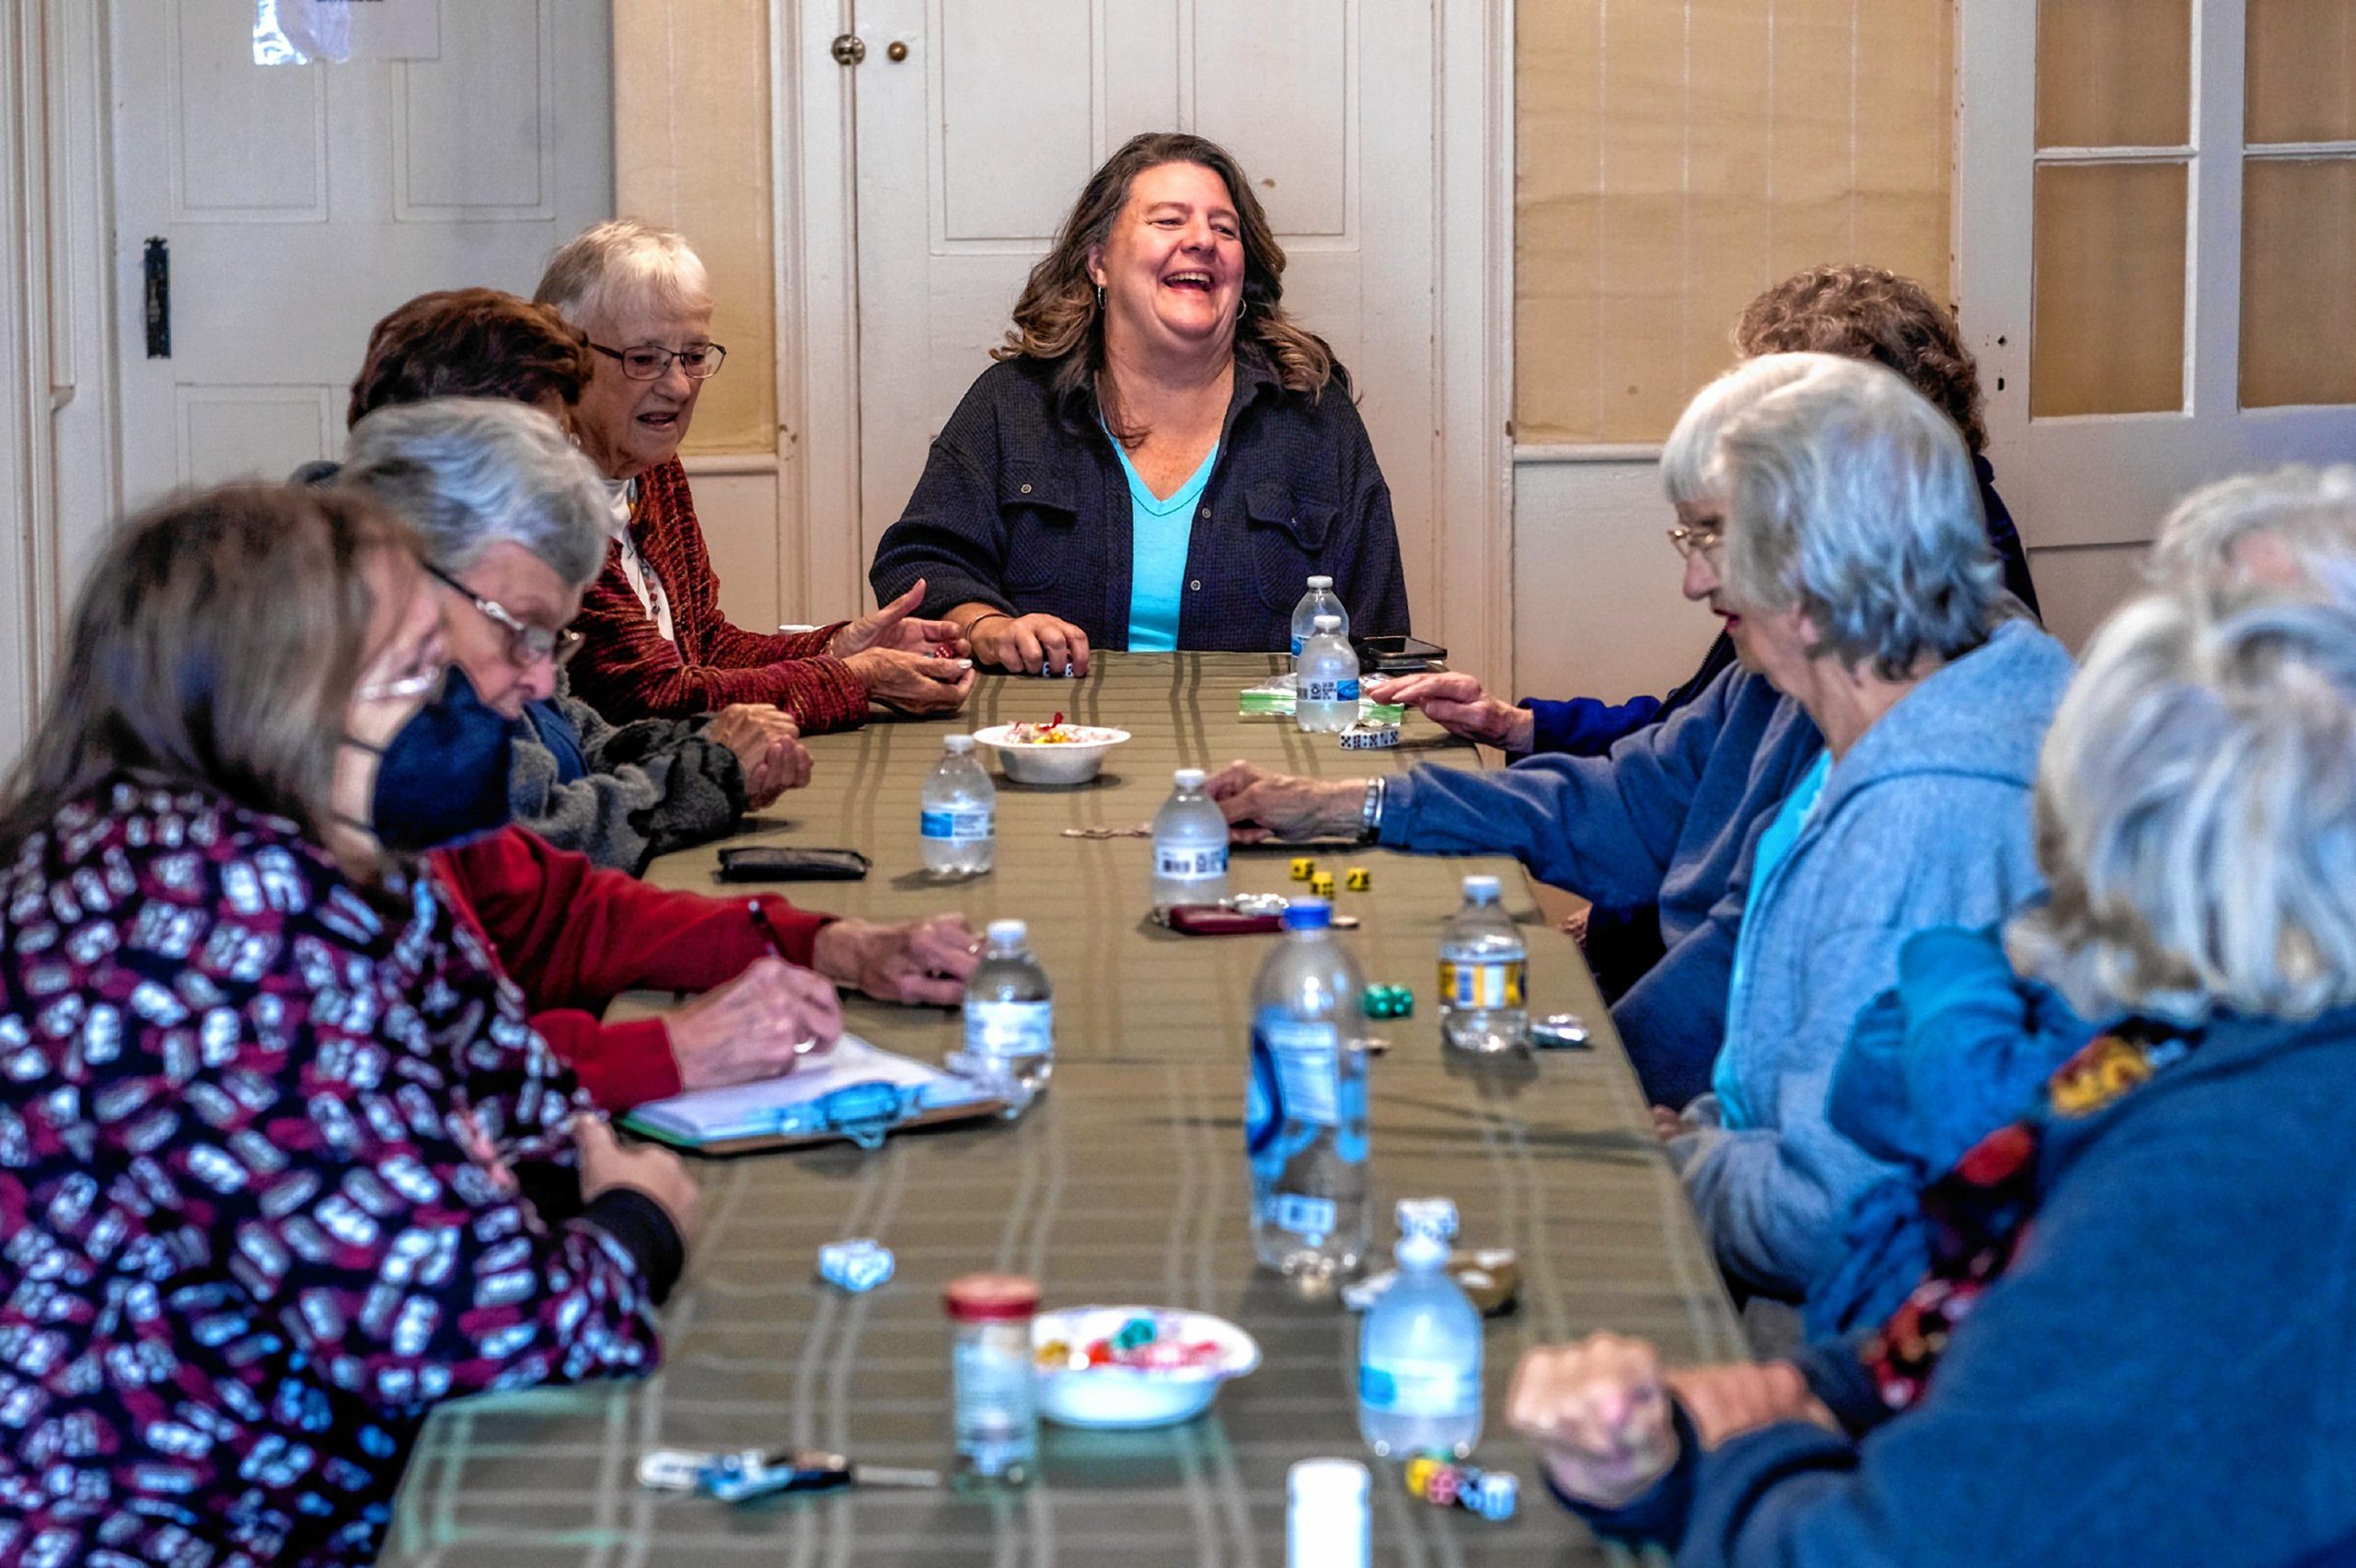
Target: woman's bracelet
990,615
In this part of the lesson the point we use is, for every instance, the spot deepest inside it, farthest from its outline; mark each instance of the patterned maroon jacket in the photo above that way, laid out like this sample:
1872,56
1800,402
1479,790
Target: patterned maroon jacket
626,670
259,1135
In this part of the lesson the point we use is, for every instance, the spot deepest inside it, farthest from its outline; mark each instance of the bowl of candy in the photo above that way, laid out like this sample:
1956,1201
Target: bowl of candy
1051,753
1130,1367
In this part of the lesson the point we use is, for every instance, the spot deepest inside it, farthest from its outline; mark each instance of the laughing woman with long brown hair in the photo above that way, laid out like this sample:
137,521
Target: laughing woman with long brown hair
1162,455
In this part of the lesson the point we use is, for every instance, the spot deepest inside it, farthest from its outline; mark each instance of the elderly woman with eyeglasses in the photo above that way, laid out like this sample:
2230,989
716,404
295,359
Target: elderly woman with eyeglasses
1852,571
657,643
2130,1346
499,496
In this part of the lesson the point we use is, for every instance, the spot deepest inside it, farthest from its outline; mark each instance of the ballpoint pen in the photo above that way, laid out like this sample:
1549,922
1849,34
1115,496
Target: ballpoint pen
753,1473
767,928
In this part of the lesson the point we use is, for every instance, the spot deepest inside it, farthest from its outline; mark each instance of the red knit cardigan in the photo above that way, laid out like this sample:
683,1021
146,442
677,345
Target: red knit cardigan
573,937
626,670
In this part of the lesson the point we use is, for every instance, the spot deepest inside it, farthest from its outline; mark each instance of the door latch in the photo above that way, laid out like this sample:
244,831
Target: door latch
849,49
158,264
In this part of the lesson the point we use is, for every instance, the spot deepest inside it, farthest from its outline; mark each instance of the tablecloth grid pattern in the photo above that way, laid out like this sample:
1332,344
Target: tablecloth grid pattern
1124,1183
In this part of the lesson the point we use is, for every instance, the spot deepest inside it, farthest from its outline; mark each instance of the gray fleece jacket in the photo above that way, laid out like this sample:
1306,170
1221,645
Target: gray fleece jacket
652,786
1924,822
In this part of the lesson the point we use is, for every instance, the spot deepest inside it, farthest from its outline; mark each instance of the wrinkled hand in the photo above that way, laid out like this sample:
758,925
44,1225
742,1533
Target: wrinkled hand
1575,922
891,626
1031,645
1455,701
606,1161
912,683
768,742
1668,1124
921,962
1726,1401
756,1026
1261,805
1598,1412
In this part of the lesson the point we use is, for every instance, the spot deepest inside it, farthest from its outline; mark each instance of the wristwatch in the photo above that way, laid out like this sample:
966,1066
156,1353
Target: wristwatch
1370,814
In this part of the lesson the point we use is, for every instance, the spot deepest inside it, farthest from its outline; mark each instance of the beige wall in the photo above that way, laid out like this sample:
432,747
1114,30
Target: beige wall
691,149
1677,157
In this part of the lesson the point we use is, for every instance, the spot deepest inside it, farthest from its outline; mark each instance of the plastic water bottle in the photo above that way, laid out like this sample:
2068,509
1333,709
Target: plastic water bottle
958,811
1419,1346
1483,972
1304,1121
1189,845
1320,600
1009,1019
1328,703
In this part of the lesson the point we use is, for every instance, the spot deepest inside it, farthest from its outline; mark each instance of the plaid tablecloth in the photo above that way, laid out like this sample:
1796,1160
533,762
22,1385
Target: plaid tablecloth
1126,1183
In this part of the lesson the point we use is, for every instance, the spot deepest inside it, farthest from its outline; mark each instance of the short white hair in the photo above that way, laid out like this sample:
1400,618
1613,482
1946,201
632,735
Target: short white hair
1687,461
2311,512
470,472
1851,497
2196,812
612,268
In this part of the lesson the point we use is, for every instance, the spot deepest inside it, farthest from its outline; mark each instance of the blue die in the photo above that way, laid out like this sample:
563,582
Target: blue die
1495,1497
855,1266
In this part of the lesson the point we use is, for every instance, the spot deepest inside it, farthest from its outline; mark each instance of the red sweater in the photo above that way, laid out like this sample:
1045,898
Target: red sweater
626,670
573,937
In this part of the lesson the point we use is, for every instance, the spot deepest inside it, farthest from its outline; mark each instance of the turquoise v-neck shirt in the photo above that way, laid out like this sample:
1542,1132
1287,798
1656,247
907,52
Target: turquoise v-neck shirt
1160,528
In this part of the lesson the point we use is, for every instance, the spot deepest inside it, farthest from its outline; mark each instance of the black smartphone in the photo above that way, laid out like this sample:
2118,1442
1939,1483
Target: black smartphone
1397,655
780,863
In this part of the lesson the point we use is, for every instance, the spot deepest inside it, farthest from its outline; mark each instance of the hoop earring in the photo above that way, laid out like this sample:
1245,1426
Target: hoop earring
1100,299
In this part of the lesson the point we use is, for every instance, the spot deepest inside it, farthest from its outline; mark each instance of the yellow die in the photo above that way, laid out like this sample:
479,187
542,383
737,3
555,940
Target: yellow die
1303,867
1322,885
1358,879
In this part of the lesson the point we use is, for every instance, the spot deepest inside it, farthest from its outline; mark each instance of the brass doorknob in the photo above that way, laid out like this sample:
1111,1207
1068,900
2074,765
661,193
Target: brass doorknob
849,49
895,52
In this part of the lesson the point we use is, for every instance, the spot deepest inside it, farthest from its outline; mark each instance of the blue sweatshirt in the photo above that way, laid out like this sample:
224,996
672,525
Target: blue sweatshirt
1924,822
2166,1375
1667,819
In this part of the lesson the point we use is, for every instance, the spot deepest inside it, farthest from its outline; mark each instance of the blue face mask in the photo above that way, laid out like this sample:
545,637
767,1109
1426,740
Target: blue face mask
442,780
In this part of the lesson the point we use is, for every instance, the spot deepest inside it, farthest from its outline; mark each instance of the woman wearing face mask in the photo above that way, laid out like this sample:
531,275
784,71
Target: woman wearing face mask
281,1162
513,520
1161,456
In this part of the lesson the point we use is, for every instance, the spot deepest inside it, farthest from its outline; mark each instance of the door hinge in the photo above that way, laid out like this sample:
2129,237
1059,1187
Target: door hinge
159,265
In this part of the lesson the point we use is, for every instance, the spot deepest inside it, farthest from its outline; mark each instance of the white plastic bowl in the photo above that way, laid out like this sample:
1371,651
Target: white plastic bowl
1074,762
1127,1397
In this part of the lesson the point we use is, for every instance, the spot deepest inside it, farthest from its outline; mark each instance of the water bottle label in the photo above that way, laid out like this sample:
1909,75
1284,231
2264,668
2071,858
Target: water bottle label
1406,1386
958,827
1329,691
1484,985
1308,1070
1301,1214
1010,1029
1191,863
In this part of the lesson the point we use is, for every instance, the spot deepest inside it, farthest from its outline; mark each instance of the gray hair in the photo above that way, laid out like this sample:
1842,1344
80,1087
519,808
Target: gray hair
611,269
2311,512
2196,812
1687,461
468,472
1850,496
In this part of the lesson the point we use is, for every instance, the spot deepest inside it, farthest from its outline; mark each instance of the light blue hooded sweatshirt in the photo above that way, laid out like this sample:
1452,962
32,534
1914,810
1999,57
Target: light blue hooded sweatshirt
1924,822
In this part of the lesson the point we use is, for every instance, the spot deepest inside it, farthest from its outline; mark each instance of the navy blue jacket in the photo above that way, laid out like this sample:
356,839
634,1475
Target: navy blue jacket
2164,1375
1023,504
1586,726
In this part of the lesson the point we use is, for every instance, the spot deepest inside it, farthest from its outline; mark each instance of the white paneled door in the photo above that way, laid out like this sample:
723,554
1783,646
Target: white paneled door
977,125
299,203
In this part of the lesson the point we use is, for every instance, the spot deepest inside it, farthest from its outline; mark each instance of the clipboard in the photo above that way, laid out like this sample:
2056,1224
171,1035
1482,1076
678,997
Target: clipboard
855,1093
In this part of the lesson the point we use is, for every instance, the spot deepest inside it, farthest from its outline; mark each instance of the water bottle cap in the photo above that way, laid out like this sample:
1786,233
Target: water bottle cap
1482,890
1188,778
1329,623
1308,915
1008,933
1427,1216
1321,583
957,745
1329,1481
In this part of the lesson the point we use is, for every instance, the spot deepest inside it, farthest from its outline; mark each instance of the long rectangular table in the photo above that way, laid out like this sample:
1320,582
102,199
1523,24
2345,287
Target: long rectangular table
1124,1183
